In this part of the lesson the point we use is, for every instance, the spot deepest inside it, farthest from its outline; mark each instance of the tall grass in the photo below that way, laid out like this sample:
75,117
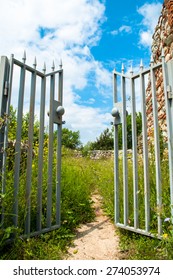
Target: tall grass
80,178
135,245
76,208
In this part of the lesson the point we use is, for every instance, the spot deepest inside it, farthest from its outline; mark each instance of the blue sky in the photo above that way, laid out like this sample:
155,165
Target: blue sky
92,37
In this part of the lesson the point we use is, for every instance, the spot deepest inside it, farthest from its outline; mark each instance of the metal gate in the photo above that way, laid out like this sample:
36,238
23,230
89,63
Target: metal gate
30,162
143,198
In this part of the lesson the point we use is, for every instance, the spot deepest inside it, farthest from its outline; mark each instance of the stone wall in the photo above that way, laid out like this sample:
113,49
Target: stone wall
163,35
162,38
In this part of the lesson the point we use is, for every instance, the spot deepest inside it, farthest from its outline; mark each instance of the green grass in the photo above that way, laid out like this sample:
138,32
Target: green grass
80,178
136,246
76,208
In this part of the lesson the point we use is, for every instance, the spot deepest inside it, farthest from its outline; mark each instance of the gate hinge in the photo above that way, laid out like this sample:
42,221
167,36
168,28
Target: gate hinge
6,87
57,112
169,92
117,113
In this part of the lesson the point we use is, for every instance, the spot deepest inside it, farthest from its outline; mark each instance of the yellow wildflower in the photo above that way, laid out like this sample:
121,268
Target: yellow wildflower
165,235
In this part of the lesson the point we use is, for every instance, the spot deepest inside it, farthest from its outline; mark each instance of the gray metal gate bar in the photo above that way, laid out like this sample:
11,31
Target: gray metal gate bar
18,140
124,140
58,169
50,152
116,155
168,89
4,72
9,90
157,149
40,152
145,151
30,151
134,151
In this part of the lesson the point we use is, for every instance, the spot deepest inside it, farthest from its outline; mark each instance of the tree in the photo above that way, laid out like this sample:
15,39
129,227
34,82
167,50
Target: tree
25,126
71,139
129,130
104,141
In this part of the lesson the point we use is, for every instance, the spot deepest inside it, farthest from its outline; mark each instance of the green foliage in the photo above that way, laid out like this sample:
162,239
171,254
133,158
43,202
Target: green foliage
136,246
139,247
129,130
80,177
76,208
86,149
104,141
25,126
77,186
71,139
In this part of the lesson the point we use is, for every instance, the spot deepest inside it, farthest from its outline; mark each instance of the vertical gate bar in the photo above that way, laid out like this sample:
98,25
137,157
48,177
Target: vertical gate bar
4,76
7,125
29,154
59,139
145,151
4,99
116,158
58,176
10,83
60,90
18,143
157,150
50,152
168,80
40,153
134,150
124,140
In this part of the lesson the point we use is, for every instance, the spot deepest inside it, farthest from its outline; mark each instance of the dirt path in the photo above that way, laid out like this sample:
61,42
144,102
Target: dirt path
96,240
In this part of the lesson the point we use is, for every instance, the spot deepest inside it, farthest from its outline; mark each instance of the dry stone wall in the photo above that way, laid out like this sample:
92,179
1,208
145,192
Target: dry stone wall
162,39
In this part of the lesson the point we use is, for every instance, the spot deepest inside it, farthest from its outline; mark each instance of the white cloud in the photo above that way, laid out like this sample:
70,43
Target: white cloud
91,121
54,29
123,29
103,78
114,32
150,13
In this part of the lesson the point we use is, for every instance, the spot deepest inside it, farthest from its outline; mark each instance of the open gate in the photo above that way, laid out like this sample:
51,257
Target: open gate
143,198
30,156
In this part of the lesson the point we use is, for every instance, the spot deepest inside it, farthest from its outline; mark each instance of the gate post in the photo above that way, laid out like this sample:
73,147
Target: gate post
4,75
168,89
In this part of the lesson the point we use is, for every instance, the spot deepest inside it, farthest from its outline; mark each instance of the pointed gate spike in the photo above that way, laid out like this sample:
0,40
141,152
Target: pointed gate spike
141,65
60,64
24,57
122,68
53,66
152,60
163,53
44,68
35,63
131,69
